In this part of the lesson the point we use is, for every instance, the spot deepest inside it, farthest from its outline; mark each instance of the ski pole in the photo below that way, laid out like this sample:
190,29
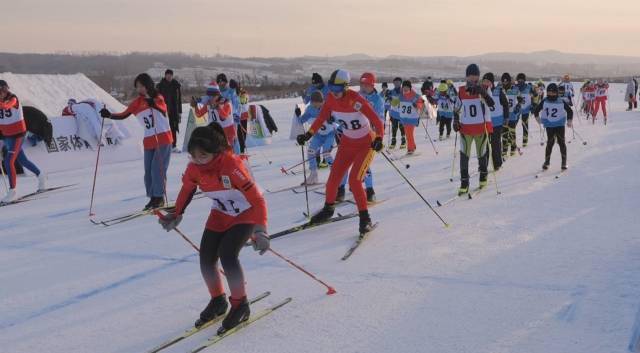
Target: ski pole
186,238
580,137
95,172
330,289
306,189
453,163
287,170
414,189
429,137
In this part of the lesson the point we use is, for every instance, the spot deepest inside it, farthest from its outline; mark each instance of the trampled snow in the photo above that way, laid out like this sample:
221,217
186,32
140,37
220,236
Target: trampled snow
550,265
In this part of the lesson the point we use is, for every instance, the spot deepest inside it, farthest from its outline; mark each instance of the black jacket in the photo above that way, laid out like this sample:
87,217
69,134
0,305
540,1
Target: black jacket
172,96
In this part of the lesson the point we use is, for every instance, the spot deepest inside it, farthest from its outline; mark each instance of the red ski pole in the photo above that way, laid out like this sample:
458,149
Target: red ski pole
330,290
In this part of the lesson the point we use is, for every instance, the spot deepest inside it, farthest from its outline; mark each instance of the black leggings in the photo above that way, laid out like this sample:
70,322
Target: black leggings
553,134
242,135
395,124
496,146
445,122
225,246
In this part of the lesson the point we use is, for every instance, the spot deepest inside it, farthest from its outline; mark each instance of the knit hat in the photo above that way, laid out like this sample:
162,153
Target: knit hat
213,88
489,76
368,78
221,78
316,78
473,70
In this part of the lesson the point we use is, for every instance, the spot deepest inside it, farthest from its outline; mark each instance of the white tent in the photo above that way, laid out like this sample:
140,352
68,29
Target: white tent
50,93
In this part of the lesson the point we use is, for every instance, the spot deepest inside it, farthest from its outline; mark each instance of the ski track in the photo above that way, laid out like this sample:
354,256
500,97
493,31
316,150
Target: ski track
550,265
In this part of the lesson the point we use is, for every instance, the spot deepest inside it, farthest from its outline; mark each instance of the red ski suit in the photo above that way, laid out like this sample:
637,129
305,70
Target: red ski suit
355,115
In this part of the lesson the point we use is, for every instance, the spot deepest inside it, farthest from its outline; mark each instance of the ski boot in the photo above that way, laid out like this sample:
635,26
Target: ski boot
217,306
311,179
371,195
403,143
323,164
42,181
10,197
464,188
365,222
483,183
154,202
440,138
341,193
238,314
323,215
545,165
513,152
410,152
393,143
564,163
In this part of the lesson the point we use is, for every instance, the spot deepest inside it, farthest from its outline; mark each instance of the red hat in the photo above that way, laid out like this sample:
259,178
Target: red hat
368,78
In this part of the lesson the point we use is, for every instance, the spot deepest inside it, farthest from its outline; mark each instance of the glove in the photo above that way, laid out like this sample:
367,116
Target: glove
377,145
298,111
570,123
301,139
456,125
169,221
105,113
260,240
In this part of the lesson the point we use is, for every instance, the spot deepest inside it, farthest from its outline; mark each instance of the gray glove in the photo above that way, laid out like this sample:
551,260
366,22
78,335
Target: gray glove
169,220
260,241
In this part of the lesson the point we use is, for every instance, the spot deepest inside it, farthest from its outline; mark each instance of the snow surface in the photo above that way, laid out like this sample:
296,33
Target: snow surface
547,266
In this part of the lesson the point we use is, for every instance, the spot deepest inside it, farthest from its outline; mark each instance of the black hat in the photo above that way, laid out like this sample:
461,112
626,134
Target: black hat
521,76
506,77
552,87
473,70
384,85
316,78
406,83
168,71
489,76
221,78
3,83
397,79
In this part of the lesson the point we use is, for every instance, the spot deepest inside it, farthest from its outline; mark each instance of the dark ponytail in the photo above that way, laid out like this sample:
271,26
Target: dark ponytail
210,139
145,80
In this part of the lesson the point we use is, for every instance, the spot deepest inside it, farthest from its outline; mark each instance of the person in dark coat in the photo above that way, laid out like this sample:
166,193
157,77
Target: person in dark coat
170,90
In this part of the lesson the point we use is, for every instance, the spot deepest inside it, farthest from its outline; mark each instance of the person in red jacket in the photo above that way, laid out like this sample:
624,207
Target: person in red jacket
602,92
238,213
13,129
219,110
357,147
150,109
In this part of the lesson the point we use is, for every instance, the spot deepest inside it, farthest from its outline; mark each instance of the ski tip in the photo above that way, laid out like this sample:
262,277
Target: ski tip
331,291
447,225
438,203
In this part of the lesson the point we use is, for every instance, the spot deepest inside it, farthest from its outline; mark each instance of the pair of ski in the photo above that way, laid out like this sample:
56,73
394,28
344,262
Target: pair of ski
130,216
546,172
405,156
221,333
470,195
33,196
297,189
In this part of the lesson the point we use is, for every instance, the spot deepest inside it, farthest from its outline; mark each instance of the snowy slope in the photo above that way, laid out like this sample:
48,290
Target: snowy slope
547,266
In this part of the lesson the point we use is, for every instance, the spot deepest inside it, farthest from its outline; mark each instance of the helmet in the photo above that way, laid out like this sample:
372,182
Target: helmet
339,80
443,87
368,78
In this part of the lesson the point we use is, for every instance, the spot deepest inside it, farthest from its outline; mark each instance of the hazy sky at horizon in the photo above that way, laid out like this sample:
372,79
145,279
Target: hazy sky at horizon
329,27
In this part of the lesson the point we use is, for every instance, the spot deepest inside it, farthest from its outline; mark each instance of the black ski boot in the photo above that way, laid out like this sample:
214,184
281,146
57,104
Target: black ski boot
217,306
365,222
157,202
403,143
545,165
564,163
148,205
393,143
340,195
238,313
323,215
371,195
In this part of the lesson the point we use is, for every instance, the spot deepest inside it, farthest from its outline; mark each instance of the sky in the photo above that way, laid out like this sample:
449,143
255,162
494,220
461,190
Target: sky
289,28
